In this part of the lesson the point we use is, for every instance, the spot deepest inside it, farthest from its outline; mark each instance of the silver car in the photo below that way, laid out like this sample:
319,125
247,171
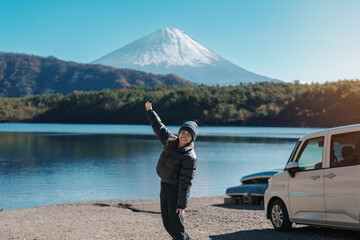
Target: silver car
320,184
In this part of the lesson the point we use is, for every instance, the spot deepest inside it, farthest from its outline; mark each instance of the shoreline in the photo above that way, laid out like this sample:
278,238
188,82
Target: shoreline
205,218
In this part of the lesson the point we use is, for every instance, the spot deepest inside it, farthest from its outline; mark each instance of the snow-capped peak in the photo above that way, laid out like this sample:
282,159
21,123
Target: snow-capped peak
168,46
170,50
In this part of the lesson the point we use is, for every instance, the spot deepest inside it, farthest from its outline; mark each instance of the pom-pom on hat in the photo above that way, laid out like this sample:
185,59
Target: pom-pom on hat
191,127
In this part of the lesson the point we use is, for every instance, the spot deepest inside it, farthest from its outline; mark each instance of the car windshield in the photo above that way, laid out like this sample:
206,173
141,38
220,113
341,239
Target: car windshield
293,152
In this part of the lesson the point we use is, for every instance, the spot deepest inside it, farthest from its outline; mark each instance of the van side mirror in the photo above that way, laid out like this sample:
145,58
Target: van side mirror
291,167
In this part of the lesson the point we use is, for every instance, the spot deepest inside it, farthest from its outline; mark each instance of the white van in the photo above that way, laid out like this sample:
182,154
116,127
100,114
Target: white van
320,184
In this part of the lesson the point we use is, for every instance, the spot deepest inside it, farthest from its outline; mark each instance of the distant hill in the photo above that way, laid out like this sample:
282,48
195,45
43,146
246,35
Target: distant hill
262,104
24,75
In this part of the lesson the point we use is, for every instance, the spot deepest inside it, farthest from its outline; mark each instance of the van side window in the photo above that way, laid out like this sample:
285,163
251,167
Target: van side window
311,154
345,149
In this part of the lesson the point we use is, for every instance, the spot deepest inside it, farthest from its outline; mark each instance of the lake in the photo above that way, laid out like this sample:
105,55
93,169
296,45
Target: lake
44,164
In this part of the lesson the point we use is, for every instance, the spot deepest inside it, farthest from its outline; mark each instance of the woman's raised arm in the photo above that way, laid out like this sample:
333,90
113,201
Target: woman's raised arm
159,128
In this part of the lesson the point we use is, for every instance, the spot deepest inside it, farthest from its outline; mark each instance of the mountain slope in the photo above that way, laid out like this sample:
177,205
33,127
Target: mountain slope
23,75
172,51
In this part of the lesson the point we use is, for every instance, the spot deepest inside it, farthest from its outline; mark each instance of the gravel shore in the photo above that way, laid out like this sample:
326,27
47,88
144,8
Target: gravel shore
206,218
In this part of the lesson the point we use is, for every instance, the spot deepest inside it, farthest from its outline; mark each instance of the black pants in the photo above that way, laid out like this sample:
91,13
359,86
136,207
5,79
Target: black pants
173,224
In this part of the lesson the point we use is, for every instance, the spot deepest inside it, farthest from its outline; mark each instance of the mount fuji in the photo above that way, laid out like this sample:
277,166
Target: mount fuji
168,51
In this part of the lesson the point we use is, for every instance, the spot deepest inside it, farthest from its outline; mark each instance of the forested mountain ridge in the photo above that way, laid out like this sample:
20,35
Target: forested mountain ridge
24,75
261,104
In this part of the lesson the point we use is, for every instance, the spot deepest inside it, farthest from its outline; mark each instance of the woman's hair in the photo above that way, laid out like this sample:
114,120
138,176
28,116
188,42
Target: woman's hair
171,145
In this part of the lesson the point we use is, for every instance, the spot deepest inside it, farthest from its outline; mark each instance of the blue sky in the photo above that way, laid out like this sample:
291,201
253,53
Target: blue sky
306,40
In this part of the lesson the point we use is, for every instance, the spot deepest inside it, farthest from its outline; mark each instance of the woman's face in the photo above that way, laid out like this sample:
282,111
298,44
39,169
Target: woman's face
184,137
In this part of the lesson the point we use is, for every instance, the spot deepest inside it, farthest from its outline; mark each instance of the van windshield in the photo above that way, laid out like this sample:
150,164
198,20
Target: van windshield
291,158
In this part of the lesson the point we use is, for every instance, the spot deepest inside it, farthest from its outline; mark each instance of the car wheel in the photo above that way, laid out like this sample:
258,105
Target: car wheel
279,216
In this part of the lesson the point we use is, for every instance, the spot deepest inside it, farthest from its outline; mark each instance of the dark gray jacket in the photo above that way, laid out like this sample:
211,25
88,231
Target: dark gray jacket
178,167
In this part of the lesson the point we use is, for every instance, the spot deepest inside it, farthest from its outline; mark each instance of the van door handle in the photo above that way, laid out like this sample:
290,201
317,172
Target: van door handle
330,175
315,177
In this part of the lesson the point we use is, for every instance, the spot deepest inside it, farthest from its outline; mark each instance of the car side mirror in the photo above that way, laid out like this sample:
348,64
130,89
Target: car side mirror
291,167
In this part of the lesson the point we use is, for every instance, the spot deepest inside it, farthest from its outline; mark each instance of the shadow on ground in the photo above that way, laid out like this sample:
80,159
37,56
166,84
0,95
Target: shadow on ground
296,233
241,207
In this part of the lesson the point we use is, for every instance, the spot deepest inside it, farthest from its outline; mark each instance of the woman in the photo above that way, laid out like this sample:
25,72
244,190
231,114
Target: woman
176,168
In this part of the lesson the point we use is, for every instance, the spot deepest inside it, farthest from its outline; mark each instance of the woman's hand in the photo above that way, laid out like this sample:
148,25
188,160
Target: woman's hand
181,213
148,106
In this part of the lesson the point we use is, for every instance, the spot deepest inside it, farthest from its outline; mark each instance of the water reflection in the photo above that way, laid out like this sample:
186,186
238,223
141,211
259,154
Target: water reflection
46,168
33,150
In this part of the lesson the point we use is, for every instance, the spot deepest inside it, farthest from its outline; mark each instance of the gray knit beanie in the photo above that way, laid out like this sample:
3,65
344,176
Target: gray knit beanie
191,127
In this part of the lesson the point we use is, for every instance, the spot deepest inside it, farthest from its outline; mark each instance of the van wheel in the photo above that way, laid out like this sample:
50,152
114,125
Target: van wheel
279,216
